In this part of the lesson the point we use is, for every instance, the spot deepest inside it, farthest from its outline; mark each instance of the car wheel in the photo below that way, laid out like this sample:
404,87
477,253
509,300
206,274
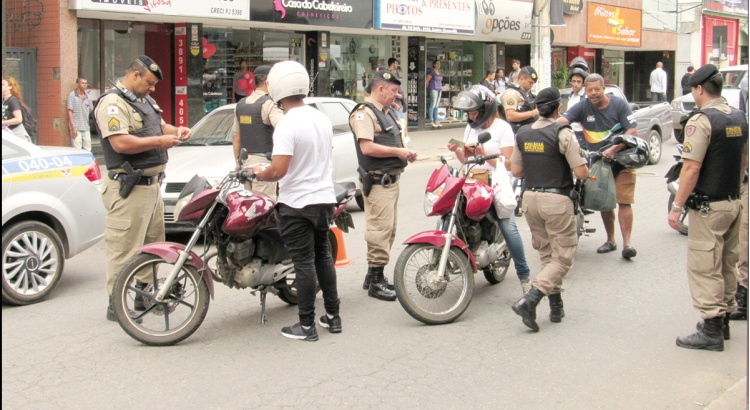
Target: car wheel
654,143
360,201
33,260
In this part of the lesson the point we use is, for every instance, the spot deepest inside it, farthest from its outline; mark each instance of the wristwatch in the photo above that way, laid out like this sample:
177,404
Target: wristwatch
676,208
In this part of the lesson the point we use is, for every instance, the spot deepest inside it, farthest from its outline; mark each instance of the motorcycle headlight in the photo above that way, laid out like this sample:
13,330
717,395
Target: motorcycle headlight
431,197
181,204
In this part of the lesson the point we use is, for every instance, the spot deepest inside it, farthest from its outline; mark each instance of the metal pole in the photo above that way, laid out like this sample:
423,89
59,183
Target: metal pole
541,46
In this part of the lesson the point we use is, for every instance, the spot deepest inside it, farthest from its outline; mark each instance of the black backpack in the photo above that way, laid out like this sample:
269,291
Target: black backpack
29,122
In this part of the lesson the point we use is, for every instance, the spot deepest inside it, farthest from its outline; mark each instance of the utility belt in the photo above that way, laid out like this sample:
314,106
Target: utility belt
702,203
559,191
132,177
370,178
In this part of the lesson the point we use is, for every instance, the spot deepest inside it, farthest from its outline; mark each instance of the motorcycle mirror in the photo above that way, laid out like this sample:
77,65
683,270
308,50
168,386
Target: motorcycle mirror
243,155
484,137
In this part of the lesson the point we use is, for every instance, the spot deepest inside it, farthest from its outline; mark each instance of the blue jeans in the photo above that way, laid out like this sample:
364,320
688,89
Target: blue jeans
515,246
305,234
432,112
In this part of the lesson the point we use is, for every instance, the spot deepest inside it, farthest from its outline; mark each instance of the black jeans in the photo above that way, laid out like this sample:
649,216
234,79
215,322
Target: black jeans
305,234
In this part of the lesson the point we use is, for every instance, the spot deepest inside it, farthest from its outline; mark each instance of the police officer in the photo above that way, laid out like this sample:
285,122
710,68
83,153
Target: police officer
518,101
715,143
742,268
382,158
255,118
545,153
135,140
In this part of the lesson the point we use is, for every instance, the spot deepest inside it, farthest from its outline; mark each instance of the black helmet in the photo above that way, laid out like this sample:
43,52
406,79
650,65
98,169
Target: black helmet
635,155
477,98
578,67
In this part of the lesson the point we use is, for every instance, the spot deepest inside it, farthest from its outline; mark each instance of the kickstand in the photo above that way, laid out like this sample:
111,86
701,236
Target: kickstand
263,320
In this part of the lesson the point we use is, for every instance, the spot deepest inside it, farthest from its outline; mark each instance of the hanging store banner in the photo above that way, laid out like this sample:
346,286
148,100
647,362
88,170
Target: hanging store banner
509,20
614,25
572,6
429,16
738,8
338,13
220,9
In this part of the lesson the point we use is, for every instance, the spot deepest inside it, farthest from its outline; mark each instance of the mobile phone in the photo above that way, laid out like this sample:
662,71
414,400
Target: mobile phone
455,141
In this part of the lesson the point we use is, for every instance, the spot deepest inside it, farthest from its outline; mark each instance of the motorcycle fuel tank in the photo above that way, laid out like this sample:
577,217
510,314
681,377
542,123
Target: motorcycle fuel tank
478,199
249,213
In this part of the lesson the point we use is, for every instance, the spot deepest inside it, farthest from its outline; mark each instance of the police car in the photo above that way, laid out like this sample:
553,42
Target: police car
52,210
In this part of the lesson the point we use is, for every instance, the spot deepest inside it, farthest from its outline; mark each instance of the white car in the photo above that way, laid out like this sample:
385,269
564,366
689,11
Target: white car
52,210
731,92
209,153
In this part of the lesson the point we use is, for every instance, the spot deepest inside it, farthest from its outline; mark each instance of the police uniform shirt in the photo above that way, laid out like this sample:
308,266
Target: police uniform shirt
270,112
698,131
512,100
115,116
568,145
365,125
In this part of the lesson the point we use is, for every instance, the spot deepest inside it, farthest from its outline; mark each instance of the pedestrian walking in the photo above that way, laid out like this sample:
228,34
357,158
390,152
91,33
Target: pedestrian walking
135,141
714,153
12,108
545,153
302,163
481,105
658,82
382,158
79,109
686,89
601,115
255,118
434,83
500,83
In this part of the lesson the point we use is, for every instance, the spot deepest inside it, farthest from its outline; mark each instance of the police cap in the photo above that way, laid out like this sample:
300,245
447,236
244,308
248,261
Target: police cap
150,65
549,95
388,76
262,70
702,75
529,71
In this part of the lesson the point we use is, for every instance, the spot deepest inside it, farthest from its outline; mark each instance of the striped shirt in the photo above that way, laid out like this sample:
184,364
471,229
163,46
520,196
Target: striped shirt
81,108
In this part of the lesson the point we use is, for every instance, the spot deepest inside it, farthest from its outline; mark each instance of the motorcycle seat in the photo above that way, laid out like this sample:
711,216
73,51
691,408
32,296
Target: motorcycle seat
342,190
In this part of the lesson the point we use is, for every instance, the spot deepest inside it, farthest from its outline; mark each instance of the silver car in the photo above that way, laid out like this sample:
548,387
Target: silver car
209,153
52,210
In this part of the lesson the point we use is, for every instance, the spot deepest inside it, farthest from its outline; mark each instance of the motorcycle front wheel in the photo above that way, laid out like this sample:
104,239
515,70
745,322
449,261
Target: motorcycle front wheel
683,217
159,323
427,297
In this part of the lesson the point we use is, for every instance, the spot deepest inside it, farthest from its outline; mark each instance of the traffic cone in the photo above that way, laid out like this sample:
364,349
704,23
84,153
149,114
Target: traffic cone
341,259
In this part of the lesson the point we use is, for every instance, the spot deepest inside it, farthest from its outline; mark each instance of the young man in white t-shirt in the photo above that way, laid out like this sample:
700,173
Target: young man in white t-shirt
302,163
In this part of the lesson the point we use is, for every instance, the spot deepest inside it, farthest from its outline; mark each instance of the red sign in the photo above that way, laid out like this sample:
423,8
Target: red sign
180,79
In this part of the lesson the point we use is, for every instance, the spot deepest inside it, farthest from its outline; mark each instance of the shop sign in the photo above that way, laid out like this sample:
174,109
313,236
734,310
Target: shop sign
430,16
221,9
339,13
736,7
509,20
572,6
180,74
614,25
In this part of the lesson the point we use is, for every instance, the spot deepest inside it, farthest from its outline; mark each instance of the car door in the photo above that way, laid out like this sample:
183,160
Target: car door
344,154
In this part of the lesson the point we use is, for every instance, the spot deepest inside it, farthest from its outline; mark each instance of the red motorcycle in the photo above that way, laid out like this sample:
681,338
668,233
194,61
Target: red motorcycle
434,275
242,248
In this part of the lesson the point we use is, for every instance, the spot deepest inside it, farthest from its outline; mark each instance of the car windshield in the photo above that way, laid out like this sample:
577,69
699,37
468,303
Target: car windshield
732,78
214,129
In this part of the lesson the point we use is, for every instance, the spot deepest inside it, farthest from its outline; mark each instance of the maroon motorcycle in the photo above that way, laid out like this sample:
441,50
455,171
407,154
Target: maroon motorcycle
434,275
242,248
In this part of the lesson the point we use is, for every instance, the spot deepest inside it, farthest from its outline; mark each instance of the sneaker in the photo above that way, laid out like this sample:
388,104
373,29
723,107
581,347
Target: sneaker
434,125
525,285
333,324
297,332
439,124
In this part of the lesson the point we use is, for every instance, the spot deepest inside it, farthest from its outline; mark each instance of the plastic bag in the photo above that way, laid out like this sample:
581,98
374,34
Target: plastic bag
599,188
503,199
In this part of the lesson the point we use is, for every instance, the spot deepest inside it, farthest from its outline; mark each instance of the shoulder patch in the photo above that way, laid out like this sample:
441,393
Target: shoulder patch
359,117
687,148
511,102
113,124
112,110
690,130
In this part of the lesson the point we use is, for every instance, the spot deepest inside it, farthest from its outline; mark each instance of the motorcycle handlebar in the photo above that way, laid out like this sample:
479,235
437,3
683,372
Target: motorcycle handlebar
481,159
246,175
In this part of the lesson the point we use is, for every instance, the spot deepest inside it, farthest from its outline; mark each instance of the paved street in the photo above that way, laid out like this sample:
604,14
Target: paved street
615,348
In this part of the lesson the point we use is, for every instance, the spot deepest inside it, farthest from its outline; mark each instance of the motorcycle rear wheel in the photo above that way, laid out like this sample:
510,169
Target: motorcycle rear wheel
428,299
683,217
162,323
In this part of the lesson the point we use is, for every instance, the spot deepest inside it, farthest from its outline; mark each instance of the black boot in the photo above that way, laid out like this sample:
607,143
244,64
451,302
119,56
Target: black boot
526,308
710,336
138,303
724,326
378,287
741,296
556,312
366,284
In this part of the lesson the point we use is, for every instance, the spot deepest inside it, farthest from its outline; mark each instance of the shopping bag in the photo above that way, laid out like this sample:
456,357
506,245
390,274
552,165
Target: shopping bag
599,189
503,199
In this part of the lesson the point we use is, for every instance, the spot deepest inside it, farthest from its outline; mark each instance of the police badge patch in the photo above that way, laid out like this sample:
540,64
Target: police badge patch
690,130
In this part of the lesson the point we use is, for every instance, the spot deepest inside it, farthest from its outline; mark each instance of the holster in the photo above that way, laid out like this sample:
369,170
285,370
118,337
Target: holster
129,180
365,177
575,195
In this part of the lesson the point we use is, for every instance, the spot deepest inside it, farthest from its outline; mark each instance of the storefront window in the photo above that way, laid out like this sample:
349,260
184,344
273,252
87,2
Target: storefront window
613,67
353,60
123,42
88,55
461,66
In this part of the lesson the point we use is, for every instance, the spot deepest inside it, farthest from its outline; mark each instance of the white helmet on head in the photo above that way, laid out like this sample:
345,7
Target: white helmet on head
286,79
